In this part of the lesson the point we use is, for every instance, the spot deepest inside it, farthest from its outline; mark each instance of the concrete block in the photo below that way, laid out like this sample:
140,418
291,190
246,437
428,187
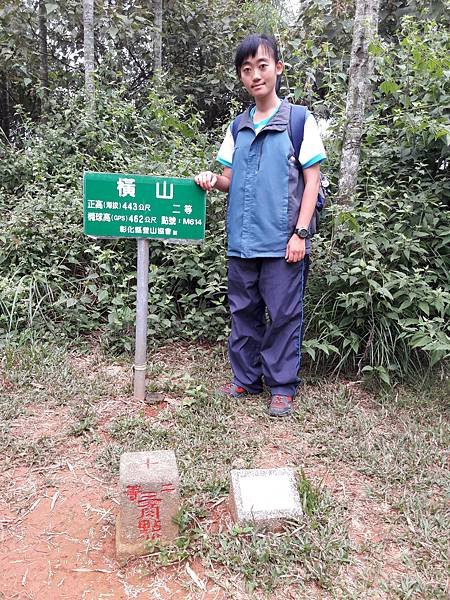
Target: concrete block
149,500
264,497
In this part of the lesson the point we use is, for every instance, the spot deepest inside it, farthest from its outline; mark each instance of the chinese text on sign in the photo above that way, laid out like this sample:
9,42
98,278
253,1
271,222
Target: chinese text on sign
140,206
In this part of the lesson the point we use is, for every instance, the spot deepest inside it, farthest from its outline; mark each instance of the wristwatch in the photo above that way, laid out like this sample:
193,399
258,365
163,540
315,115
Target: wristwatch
302,233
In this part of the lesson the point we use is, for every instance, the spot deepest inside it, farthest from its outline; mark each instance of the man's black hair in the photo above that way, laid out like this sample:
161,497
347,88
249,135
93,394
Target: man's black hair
249,47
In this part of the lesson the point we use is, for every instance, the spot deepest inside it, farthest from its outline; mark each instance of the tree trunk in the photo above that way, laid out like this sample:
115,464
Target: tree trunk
88,24
157,40
358,95
4,105
43,54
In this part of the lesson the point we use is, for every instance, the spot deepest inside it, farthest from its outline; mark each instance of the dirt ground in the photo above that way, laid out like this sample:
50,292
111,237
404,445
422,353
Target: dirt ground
58,542
62,545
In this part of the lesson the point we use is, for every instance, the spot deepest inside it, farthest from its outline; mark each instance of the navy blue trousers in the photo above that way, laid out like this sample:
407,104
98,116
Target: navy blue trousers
266,346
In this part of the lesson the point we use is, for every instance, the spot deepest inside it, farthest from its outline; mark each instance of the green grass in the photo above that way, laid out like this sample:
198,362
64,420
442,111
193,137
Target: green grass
379,458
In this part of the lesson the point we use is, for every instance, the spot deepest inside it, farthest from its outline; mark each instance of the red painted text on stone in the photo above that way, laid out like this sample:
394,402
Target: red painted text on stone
149,522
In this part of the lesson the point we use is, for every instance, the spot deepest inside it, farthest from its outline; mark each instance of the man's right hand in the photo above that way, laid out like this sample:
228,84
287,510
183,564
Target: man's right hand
206,180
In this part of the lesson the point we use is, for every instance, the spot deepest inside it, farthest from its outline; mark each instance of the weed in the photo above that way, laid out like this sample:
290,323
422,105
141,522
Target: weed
84,425
38,453
109,458
136,433
309,495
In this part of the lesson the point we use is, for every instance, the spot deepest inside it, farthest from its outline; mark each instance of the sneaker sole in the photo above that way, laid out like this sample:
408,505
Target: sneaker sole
285,413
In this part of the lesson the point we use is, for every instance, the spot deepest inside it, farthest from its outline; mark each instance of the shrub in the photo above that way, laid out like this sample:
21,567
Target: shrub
378,299
380,295
51,275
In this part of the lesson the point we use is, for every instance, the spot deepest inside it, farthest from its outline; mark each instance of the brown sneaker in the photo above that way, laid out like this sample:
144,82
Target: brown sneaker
281,406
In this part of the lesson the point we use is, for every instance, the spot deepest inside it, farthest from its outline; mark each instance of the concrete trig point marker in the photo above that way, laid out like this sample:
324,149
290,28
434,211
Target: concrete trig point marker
149,500
265,496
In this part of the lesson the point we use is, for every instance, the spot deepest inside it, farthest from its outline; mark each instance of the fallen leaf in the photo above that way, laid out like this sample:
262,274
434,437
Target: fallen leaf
86,570
54,499
195,578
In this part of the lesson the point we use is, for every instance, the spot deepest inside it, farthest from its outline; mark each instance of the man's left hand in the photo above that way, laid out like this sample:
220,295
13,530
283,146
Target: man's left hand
295,250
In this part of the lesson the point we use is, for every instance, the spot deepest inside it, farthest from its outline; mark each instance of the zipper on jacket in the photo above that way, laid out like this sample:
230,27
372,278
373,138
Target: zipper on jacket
261,150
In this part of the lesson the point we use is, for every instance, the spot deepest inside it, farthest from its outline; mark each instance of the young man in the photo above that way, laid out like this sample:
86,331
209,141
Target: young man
270,205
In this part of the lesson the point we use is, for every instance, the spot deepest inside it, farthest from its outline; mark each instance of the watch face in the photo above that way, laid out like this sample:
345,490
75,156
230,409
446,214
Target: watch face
302,233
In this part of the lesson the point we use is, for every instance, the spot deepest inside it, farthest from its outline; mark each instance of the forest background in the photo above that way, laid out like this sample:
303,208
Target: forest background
379,295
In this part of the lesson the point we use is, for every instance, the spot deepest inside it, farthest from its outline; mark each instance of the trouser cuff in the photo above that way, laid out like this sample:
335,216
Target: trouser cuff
251,389
283,391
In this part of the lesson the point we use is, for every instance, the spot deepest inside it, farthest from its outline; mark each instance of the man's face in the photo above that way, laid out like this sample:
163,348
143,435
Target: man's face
259,73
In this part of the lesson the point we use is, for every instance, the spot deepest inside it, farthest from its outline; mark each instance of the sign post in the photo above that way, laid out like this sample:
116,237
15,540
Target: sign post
139,206
140,348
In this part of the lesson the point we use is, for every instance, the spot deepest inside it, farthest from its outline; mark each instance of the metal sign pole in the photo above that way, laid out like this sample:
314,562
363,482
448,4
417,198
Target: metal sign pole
140,353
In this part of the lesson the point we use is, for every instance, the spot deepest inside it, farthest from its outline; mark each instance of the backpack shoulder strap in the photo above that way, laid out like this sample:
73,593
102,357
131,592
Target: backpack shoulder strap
235,126
297,127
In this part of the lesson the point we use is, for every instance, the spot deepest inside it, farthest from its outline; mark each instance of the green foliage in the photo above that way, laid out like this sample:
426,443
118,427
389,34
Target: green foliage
378,298
385,307
309,495
198,39
385,303
51,275
314,549
208,33
411,103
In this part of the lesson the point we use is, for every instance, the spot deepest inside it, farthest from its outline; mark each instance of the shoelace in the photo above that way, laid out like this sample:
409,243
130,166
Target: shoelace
279,400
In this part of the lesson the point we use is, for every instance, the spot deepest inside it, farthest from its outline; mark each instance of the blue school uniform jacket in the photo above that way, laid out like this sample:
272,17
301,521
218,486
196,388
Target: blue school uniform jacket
265,190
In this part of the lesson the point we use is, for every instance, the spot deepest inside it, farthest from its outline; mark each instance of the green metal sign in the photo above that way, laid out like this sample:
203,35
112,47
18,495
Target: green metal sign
139,206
